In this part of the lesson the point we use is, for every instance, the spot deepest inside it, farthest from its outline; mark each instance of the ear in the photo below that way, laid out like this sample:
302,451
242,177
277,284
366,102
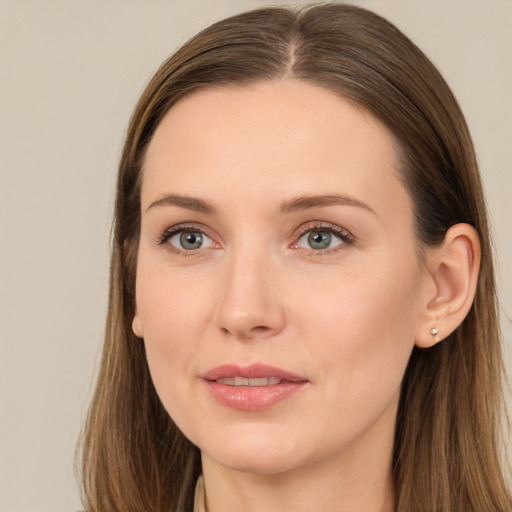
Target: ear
453,269
136,322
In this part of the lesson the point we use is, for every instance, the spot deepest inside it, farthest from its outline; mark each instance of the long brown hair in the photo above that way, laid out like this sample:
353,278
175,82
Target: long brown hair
447,448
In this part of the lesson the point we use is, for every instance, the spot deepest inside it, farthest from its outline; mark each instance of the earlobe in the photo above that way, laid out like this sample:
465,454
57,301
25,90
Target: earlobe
137,324
453,268
137,327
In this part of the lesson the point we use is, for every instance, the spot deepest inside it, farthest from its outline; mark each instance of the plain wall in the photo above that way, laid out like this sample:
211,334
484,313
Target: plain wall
70,74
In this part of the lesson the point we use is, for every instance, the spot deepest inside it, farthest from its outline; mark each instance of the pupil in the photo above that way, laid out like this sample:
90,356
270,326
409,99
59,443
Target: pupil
319,239
191,240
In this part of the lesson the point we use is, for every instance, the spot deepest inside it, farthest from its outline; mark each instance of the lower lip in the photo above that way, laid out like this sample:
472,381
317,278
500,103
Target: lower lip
257,398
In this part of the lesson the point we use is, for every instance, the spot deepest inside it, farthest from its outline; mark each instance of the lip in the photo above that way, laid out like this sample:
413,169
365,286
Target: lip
252,398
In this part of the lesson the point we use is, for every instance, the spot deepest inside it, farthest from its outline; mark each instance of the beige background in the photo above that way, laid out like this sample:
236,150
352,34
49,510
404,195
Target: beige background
70,73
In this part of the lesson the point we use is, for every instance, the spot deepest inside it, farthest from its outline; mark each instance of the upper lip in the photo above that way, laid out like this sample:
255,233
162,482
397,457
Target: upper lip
253,371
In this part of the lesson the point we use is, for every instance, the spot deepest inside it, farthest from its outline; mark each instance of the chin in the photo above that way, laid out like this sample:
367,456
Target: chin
258,454
257,462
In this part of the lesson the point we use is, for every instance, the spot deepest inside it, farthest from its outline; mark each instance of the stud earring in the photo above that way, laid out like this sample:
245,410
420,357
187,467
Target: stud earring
434,332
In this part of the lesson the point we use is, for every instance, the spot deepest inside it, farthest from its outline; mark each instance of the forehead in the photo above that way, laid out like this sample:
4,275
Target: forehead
283,138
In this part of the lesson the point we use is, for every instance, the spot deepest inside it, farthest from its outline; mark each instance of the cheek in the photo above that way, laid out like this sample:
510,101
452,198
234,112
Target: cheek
362,334
173,314
172,305
369,307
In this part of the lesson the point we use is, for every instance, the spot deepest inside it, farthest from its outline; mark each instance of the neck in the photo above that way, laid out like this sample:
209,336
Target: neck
256,493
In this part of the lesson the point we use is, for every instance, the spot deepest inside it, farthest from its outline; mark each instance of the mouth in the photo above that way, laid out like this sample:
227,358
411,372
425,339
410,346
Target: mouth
245,381
252,388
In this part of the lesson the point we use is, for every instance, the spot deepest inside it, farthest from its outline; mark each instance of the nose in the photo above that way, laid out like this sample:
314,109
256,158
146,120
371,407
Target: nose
250,306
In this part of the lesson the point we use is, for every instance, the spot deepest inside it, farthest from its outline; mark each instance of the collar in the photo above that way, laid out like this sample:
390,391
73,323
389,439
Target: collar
199,496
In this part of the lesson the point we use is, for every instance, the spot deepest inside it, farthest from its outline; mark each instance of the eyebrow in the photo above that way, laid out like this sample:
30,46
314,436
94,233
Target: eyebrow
189,203
296,204
306,202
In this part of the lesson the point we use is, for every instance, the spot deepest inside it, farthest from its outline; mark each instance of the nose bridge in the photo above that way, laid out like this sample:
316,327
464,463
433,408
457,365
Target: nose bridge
249,304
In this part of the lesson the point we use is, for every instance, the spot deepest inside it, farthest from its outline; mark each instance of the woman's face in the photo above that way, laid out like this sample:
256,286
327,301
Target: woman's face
278,288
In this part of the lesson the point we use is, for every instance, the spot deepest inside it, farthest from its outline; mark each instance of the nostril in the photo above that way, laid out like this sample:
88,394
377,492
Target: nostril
260,329
247,334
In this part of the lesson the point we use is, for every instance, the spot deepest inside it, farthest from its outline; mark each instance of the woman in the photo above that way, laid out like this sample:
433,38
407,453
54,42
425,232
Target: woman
302,302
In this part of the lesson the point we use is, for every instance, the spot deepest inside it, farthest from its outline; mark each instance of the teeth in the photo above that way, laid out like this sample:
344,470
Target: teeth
244,381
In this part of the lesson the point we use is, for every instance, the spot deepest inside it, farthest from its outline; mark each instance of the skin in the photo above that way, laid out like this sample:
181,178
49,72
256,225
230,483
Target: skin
345,318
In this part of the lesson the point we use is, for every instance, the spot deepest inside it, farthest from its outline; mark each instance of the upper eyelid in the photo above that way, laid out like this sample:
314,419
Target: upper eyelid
328,226
187,226
169,232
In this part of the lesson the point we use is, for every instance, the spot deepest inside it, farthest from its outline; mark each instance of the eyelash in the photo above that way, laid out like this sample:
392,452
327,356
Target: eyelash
174,230
345,236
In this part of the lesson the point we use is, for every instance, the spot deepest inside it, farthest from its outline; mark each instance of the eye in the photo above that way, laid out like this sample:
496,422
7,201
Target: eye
188,240
324,237
318,239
